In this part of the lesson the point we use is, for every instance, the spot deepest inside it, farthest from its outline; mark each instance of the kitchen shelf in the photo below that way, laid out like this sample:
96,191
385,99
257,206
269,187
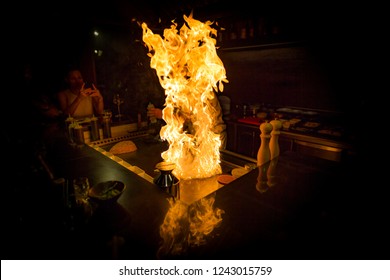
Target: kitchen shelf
262,46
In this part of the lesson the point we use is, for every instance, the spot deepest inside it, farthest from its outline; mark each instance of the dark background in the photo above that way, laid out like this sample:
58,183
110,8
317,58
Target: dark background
326,71
324,57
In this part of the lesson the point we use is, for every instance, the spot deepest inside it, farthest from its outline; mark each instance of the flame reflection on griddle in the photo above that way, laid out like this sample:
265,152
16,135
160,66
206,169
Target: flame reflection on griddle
187,226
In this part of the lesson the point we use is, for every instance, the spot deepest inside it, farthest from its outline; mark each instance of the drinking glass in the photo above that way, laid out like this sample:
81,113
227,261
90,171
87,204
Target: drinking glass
81,188
118,100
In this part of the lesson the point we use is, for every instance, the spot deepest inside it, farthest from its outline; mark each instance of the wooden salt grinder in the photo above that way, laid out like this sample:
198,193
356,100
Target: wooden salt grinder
264,154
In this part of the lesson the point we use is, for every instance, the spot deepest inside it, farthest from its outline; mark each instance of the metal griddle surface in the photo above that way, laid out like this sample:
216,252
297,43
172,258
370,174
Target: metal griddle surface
149,150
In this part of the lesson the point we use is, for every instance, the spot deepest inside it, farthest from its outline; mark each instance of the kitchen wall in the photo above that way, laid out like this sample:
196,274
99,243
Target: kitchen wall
283,75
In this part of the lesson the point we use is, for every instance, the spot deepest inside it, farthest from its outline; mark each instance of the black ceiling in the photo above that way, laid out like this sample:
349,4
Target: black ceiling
42,27
121,12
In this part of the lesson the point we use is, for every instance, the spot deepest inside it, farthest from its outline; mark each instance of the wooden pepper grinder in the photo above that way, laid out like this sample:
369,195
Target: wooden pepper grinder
274,141
264,154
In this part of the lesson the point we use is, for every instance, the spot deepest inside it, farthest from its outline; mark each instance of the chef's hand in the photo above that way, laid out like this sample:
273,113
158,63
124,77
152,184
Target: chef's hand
154,112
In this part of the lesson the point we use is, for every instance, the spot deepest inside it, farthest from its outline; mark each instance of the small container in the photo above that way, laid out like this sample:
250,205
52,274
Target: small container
106,126
79,134
71,133
94,129
166,180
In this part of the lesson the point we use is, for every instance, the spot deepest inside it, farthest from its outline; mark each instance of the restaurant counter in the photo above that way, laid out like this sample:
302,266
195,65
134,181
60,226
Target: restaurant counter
295,207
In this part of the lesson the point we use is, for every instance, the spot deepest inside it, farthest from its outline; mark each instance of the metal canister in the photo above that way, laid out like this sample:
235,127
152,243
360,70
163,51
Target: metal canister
166,180
79,134
94,129
106,126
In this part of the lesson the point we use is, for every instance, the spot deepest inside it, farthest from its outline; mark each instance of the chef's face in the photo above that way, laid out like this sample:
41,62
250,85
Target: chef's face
75,79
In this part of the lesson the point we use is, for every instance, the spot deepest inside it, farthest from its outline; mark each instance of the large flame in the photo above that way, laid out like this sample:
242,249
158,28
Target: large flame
189,70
